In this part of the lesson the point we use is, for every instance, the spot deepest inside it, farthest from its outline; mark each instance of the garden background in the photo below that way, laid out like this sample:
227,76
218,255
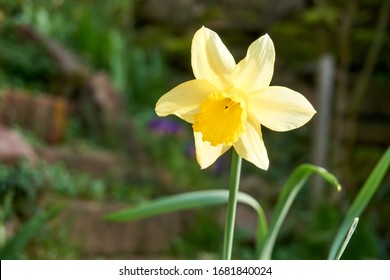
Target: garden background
79,138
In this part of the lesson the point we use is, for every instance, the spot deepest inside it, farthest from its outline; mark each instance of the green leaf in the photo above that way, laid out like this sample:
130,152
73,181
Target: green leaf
362,199
189,201
13,249
347,238
290,190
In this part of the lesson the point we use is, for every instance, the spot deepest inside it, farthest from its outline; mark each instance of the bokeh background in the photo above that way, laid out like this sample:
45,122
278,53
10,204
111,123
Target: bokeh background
79,137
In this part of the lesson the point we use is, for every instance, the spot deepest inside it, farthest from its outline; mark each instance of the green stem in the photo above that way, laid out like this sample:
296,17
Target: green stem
235,171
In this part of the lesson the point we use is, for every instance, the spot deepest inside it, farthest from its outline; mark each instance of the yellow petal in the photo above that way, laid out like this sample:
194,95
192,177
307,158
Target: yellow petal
251,146
185,99
280,108
206,154
255,71
210,58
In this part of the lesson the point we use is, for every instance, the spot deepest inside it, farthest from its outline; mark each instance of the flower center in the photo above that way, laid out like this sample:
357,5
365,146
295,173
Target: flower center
221,120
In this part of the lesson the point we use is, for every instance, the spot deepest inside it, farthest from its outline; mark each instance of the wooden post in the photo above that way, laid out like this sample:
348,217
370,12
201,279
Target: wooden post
325,84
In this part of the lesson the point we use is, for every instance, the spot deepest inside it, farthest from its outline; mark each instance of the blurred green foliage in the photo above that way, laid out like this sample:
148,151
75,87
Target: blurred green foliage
22,186
14,248
24,190
100,32
23,64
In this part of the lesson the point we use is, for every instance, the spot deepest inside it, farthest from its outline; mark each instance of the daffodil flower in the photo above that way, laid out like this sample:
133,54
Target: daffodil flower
227,102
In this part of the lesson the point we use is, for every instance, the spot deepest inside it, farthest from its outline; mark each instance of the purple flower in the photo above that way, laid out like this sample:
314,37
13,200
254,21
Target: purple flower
166,127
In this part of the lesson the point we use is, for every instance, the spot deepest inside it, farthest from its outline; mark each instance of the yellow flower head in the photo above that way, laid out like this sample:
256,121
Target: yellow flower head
227,102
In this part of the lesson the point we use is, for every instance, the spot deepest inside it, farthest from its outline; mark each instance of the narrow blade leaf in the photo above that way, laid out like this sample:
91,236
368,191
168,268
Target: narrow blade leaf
290,190
189,201
361,201
347,238
13,249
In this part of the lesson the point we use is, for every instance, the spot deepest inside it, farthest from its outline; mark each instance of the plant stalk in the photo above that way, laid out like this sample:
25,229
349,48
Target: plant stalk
234,182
